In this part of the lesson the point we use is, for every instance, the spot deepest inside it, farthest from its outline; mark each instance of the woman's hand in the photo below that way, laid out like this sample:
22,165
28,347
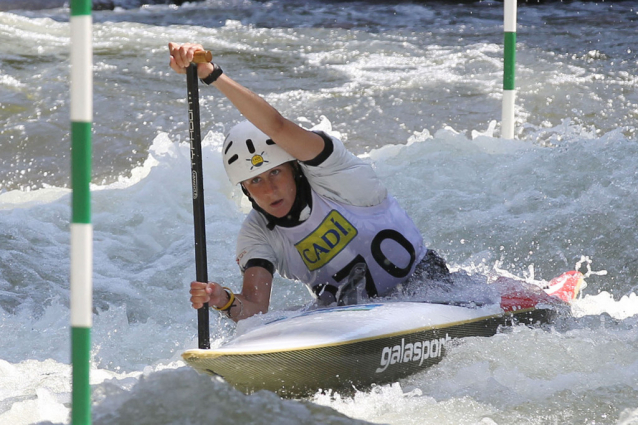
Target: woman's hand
211,293
182,56
254,298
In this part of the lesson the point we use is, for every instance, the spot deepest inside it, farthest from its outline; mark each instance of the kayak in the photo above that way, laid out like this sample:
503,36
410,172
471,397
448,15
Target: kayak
355,346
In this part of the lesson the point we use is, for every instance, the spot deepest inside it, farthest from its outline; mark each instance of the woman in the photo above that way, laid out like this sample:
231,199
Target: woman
320,214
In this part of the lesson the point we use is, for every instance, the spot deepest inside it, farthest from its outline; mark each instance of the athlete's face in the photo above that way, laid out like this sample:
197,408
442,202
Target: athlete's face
274,190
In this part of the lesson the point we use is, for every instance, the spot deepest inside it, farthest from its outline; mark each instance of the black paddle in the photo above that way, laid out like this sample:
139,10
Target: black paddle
201,268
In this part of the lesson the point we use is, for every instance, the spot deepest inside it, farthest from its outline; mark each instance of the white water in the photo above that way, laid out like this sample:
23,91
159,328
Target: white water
418,105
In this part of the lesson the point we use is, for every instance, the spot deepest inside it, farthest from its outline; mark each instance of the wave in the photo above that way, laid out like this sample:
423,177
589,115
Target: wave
6,5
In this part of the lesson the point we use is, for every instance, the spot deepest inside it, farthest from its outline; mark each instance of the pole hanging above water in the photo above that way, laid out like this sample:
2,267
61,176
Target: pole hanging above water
81,228
509,66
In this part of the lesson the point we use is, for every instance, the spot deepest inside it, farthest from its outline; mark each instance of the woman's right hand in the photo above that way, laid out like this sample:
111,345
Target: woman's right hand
211,293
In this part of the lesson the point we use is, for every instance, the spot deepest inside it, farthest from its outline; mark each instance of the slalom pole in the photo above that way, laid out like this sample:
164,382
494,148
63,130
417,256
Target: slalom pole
197,180
509,65
81,228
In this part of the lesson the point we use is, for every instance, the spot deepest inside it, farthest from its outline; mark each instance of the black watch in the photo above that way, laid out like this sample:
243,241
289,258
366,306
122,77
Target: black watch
213,76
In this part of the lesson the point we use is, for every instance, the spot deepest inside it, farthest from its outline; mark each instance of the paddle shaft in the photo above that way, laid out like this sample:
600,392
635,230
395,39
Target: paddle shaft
201,269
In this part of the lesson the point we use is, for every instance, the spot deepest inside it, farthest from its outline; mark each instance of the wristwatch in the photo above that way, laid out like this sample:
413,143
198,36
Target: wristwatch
213,76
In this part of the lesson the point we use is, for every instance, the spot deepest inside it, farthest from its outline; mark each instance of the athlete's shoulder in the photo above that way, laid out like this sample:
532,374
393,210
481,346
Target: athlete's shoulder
343,177
254,240
255,222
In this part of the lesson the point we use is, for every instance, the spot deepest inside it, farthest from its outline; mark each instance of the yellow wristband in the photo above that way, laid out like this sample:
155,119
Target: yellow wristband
231,300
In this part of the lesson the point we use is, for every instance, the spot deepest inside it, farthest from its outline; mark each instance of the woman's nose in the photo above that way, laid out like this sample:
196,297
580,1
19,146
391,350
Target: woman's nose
270,185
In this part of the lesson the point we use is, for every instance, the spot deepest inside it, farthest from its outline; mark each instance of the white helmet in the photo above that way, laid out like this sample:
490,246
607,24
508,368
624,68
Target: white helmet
248,151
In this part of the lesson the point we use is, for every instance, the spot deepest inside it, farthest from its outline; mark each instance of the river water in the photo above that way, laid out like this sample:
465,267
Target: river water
415,88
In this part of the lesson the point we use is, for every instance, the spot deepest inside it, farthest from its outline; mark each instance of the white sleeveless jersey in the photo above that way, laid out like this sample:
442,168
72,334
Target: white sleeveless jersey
324,248
350,223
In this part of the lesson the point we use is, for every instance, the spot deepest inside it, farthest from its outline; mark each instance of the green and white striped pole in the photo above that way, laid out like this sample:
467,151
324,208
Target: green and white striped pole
81,228
509,65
